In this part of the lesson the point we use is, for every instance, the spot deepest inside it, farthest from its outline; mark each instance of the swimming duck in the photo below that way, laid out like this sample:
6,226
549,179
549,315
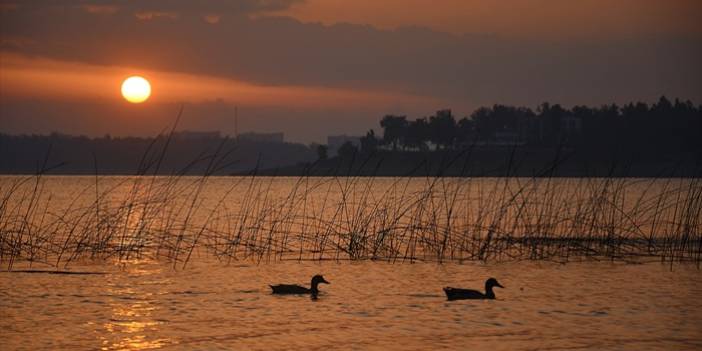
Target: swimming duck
296,289
462,294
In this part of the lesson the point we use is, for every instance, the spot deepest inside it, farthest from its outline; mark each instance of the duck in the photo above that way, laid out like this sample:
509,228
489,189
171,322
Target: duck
291,289
464,294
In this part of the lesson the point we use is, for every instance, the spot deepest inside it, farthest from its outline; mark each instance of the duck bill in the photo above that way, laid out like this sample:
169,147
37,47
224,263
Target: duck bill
499,286
325,282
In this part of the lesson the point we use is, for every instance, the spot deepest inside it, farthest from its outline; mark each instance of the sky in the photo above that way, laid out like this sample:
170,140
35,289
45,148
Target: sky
312,68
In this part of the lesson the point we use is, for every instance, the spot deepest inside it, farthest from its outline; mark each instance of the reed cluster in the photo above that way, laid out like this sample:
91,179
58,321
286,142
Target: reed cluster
178,218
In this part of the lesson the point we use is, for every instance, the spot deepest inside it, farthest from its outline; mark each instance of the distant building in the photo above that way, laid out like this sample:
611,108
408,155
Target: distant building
191,135
262,137
334,142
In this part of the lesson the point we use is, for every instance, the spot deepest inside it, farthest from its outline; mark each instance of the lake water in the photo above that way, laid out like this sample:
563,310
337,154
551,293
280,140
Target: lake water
187,263
368,305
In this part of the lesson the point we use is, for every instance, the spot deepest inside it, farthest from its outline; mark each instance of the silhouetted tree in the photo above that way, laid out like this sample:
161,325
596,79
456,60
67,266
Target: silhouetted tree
418,134
482,124
369,143
394,129
503,119
466,132
551,120
443,128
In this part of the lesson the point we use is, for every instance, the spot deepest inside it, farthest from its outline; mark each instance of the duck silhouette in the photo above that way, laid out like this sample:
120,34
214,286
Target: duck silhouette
466,294
291,289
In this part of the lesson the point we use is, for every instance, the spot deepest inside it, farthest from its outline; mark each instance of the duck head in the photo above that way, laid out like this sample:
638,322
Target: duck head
492,282
318,279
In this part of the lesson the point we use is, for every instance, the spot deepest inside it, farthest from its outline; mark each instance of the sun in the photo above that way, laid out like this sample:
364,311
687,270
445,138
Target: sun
136,89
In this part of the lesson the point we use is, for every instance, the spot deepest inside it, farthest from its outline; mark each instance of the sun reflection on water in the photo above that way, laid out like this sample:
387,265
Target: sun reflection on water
132,324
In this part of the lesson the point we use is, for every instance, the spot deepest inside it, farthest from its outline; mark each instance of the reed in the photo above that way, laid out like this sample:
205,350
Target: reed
179,218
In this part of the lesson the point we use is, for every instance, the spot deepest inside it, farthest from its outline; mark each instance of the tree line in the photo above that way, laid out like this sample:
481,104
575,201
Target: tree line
664,127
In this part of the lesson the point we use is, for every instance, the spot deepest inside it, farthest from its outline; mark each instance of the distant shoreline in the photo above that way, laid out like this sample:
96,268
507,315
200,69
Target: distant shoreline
488,163
499,162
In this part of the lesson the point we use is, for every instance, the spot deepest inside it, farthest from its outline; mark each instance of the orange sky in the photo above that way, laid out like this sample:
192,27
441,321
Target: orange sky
22,76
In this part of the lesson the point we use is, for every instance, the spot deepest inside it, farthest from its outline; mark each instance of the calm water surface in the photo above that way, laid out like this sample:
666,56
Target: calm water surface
369,305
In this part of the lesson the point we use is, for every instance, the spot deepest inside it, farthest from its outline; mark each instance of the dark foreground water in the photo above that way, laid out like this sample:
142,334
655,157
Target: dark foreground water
369,305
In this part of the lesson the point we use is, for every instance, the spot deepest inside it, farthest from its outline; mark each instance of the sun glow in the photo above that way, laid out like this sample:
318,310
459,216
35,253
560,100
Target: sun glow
22,77
136,89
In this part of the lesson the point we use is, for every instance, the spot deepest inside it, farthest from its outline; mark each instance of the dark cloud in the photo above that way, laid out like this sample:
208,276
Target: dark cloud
284,51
